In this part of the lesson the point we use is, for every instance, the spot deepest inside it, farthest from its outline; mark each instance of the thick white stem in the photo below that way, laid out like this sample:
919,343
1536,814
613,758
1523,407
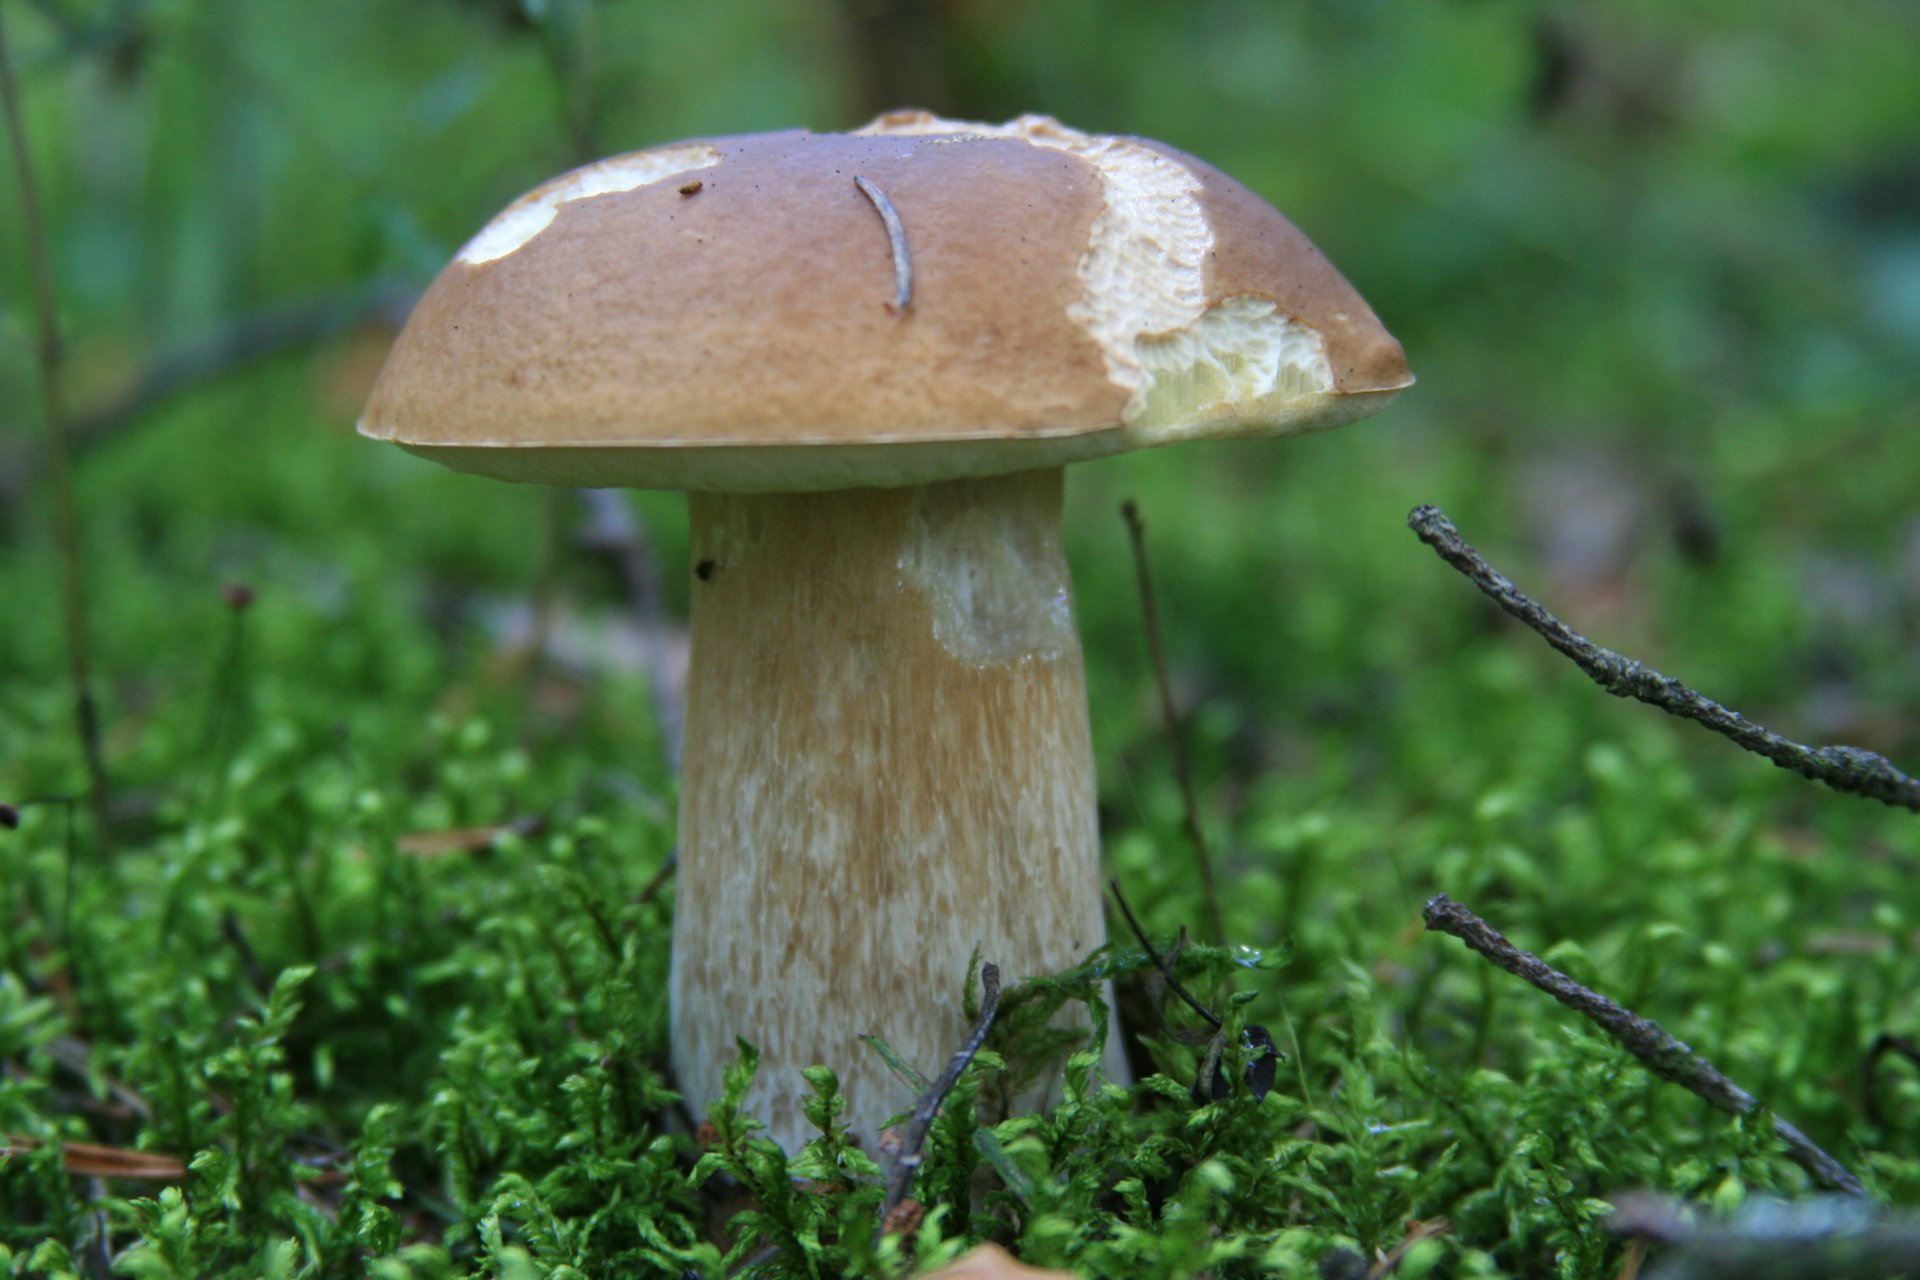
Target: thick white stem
886,768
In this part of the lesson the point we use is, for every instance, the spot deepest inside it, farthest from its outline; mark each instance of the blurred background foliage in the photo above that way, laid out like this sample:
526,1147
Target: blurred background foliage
1657,267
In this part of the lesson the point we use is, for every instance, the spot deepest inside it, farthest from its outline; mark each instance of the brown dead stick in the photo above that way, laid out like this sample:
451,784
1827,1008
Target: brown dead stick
1665,1056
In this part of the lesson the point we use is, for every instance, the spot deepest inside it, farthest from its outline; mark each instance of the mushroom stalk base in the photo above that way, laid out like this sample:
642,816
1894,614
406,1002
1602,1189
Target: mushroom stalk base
887,768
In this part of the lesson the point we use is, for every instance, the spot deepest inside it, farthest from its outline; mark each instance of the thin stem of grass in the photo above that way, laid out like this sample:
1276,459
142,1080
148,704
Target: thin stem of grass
66,521
1210,898
1849,769
1645,1039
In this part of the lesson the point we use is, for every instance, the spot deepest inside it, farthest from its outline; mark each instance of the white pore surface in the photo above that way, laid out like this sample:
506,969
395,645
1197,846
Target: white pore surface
528,216
1146,301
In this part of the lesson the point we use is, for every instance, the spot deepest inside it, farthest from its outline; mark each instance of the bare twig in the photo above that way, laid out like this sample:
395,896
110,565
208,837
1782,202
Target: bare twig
897,239
1417,1230
180,369
1209,1082
907,1162
567,33
76,1057
1159,962
10,817
1883,1044
227,684
1824,1238
1665,1056
1137,530
66,520
612,532
659,879
236,936
1849,769
271,331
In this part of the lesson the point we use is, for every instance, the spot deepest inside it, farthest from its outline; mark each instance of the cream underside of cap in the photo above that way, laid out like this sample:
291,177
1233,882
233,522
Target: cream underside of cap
797,468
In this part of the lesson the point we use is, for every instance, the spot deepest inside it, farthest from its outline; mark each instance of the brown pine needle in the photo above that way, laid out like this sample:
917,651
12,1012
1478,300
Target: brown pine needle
87,1160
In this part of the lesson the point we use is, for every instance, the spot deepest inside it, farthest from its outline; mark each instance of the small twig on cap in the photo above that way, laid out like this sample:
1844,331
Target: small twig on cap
1849,769
614,534
897,238
907,1163
1665,1056
1137,530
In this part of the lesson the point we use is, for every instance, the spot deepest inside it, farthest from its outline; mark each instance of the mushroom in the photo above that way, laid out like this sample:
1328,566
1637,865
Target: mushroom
868,357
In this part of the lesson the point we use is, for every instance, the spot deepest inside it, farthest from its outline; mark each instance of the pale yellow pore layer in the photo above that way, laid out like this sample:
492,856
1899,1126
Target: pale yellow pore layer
887,767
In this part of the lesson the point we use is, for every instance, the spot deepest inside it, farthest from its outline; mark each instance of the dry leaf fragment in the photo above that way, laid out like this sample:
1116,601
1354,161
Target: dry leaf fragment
991,1262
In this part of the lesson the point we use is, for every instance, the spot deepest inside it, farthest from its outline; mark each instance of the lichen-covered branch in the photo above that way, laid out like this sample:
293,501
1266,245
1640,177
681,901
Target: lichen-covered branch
1849,769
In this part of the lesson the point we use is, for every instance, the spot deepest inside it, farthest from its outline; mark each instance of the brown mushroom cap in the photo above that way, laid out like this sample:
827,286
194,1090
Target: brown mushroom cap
718,314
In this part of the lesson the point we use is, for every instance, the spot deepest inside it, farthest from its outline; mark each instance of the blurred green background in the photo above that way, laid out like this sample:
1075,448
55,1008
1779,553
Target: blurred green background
1656,266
